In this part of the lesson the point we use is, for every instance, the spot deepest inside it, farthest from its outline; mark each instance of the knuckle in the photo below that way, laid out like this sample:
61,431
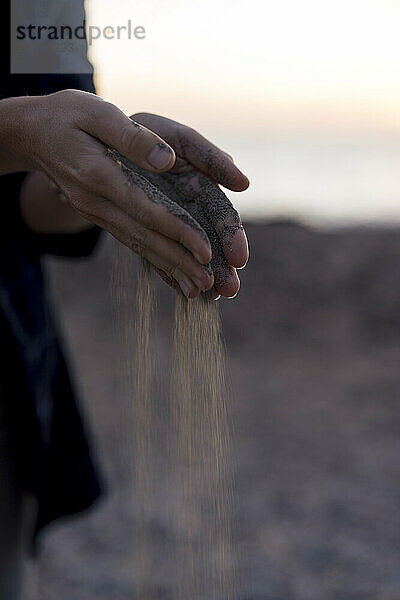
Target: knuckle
185,134
179,235
174,268
178,230
91,207
179,264
91,173
74,198
67,93
170,269
191,131
142,215
184,129
70,97
138,241
87,174
83,205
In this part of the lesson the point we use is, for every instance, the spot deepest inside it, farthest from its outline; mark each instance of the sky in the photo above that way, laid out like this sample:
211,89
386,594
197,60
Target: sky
304,94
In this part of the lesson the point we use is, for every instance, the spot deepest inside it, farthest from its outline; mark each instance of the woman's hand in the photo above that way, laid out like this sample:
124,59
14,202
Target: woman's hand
192,183
67,135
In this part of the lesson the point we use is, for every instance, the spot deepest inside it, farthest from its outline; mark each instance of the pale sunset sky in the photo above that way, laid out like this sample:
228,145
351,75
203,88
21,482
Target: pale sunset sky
304,94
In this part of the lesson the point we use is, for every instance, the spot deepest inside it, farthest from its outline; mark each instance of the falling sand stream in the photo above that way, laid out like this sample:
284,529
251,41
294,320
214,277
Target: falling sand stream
196,453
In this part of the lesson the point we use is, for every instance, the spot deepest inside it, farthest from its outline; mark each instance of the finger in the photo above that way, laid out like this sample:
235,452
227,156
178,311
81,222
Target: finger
161,251
141,146
156,211
169,280
210,160
108,176
227,282
205,156
212,294
133,242
209,206
236,248
178,280
174,260
226,222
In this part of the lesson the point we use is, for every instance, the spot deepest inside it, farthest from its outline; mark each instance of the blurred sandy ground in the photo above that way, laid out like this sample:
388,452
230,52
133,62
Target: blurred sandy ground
313,341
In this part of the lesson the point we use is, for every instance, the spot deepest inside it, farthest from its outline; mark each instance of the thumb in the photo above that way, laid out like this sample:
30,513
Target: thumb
138,144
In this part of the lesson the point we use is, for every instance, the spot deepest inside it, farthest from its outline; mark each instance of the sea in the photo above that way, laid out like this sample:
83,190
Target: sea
328,180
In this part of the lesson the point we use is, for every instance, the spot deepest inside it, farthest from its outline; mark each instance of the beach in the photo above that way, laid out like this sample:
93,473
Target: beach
313,345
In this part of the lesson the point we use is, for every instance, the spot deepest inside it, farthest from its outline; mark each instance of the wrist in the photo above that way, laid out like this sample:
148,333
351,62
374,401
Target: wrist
17,138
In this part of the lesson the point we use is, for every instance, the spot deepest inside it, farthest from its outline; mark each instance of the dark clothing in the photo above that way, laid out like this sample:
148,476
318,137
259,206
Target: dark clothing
51,448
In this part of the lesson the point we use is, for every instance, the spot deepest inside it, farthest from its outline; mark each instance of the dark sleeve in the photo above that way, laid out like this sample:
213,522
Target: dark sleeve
11,222
13,225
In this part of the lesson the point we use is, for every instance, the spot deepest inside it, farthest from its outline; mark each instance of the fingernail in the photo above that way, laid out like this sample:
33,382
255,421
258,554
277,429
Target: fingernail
160,157
184,288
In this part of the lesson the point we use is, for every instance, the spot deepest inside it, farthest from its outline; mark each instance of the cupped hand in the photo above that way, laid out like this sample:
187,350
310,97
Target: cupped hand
68,135
193,184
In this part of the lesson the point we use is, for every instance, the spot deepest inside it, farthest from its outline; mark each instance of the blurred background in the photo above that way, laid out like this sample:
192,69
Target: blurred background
306,96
